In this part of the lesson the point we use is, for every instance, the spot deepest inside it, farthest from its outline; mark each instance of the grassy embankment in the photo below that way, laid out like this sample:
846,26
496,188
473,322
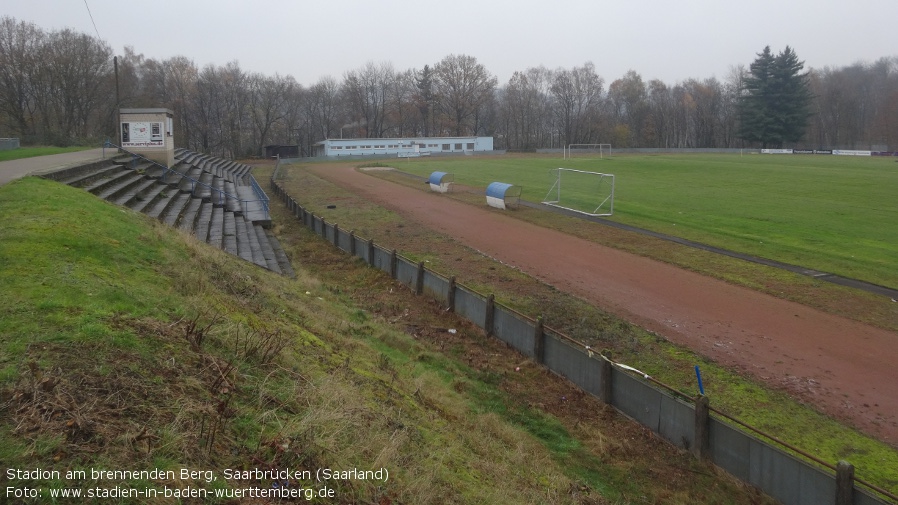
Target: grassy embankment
775,411
129,346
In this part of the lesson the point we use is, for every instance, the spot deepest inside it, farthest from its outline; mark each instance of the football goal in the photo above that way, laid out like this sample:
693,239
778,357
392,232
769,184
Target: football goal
587,151
590,193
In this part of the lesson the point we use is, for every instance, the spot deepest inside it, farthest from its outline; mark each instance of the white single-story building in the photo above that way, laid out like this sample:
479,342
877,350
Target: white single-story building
402,147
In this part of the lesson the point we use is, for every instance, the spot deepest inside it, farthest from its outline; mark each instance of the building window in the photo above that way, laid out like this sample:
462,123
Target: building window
445,147
458,147
470,146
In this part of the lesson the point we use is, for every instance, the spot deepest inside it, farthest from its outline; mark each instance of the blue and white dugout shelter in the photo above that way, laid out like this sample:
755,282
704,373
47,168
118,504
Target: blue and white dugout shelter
502,195
440,181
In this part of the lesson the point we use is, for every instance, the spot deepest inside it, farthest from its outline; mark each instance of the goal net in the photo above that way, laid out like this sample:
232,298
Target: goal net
590,193
587,151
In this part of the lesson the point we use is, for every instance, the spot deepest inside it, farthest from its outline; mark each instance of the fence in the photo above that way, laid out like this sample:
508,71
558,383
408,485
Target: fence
685,422
9,144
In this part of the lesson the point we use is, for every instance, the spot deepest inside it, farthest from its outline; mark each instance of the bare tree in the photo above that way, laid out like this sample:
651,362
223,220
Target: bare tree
661,130
578,96
402,109
324,109
267,105
217,106
366,91
20,43
463,87
220,107
176,87
729,113
628,98
854,107
525,109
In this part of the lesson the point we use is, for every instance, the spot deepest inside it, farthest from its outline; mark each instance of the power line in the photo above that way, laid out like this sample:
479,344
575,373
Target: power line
92,20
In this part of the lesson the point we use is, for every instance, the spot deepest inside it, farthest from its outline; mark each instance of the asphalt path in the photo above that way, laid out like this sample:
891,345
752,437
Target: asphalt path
14,169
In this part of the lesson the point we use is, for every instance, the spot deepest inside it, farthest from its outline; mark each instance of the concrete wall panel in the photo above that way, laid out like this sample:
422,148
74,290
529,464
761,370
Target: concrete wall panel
636,399
514,331
572,363
677,421
470,306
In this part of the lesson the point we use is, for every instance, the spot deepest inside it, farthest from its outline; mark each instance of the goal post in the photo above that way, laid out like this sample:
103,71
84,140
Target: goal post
588,151
590,193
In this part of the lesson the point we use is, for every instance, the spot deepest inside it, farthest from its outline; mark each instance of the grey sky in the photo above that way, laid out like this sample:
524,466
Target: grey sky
671,41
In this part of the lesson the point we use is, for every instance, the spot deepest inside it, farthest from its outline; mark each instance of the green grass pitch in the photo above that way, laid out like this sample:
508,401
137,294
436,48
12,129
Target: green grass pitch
831,213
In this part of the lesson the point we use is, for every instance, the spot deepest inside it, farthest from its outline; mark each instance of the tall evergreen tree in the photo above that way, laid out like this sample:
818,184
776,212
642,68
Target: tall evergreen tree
775,103
425,97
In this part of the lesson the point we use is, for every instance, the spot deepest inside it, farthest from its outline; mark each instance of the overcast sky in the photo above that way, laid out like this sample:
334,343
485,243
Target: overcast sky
668,40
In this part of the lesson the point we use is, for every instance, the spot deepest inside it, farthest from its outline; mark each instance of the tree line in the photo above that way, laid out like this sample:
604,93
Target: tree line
63,87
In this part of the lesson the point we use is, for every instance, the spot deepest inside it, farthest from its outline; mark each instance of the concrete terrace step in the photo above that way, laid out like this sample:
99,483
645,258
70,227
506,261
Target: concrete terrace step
271,260
188,217
85,179
216,228
232,203
202,163
155,171
218,190
204,188
187,183
147,198
174,211
162,203
174,176
229,239
255,247
281,256
253,208
218,169
243,244
111,179
213,210
203,219
135,192
122,186
241,169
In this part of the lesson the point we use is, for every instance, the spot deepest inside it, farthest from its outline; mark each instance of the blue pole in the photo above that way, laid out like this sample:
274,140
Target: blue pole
698,375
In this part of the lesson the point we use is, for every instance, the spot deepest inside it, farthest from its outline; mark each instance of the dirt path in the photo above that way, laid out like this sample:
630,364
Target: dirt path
845,367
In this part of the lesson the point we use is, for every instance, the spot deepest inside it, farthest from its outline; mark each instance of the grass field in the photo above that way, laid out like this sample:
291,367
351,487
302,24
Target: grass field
829,213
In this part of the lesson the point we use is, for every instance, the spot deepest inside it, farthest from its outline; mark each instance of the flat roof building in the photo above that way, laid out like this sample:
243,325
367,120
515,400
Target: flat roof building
402,147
